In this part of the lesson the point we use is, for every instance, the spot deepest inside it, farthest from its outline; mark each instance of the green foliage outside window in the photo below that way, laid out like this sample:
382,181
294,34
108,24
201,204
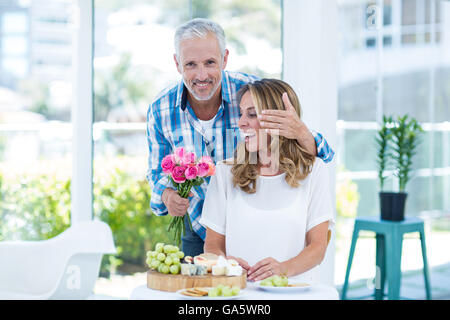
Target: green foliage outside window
37,207
347,197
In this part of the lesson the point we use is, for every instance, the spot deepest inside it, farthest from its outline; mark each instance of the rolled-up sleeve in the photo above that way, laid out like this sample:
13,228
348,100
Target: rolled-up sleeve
158,147
324,150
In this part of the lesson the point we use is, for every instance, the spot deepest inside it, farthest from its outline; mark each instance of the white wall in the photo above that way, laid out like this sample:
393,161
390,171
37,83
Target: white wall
310,66
82,110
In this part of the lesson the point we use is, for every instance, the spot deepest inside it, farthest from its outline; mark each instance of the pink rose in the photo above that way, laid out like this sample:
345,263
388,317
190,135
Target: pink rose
192,155
179,154
211,166
212,169
203,169
206,159
178,174
188,158
191,172
167,164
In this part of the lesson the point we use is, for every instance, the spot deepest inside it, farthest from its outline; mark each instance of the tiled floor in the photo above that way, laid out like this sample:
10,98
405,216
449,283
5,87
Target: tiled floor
363,267
412,286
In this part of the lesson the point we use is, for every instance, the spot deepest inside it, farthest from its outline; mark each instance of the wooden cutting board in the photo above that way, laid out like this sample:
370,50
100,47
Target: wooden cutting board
175,282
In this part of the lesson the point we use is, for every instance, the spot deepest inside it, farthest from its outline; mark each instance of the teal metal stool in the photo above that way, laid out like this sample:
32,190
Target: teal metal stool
389,240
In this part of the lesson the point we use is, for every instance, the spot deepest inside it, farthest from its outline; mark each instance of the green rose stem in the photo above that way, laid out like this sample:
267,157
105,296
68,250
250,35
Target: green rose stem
177,223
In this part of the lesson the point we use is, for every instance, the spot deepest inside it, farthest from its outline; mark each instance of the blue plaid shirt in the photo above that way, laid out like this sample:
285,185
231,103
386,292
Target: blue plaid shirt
172,123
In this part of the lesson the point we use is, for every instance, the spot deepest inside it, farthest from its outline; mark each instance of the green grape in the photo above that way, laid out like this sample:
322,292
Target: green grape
159,247
161,256
174,269
155,264
219,289
180,254
153,254
175,260
159,269
149,254
165,269
226,291
175,249
213,292
149,261
277,281
284,281
168,261
235,290
266,282
167,248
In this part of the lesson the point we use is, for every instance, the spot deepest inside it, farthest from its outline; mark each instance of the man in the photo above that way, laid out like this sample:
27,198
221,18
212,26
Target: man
201,113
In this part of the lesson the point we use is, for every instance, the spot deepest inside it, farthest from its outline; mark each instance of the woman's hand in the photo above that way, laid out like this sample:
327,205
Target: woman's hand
244,264
265,268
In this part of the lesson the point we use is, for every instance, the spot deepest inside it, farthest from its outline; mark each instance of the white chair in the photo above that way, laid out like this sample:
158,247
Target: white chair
64,267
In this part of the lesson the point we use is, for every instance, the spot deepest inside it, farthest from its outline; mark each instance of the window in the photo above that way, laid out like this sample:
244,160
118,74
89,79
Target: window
378,81
14,22
404,74
35,123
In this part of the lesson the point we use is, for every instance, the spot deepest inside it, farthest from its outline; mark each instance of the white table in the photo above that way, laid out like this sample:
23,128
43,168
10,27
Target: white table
251,292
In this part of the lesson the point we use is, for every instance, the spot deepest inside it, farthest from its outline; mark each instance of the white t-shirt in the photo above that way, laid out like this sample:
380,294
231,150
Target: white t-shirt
207,126
272,222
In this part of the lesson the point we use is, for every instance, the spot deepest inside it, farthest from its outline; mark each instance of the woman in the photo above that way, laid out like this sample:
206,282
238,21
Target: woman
269,207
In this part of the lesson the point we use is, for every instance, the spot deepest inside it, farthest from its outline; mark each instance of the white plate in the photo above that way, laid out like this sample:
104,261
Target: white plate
240,295
285,289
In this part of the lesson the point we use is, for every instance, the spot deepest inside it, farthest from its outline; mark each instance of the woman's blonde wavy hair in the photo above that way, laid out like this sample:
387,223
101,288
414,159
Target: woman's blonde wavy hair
294,160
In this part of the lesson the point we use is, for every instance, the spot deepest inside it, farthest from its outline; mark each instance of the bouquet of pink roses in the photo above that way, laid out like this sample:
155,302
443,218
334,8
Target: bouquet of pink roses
184,172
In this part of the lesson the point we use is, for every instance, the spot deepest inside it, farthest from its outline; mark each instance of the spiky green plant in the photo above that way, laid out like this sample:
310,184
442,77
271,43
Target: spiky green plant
397,141
382,139
405,138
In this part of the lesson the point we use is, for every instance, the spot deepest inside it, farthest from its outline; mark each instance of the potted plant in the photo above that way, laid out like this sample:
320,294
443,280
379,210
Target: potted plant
397,141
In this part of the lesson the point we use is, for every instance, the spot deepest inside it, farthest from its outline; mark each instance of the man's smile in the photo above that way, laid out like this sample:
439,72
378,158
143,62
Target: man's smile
202,84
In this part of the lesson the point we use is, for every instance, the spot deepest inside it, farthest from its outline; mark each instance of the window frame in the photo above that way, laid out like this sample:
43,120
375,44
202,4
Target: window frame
82,113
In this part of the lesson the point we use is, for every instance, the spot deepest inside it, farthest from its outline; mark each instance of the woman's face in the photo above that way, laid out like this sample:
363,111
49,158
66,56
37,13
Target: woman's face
249,123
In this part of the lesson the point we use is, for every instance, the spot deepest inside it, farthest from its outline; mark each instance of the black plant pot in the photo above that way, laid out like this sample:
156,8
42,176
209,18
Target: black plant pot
392,205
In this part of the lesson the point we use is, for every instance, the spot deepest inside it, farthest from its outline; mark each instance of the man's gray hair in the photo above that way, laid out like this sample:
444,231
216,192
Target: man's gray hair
199,28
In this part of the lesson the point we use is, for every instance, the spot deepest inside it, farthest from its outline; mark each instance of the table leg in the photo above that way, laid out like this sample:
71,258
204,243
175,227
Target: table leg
394,241
425,263
349,263
380,276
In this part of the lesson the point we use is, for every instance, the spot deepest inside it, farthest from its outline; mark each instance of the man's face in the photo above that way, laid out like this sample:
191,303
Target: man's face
201,64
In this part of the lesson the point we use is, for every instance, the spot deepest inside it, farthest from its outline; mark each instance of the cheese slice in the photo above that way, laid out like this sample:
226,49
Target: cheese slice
206,259
233,271
218,270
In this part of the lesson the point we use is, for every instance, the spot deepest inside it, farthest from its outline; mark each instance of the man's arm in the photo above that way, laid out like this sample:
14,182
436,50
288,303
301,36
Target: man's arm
324,150
315,143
